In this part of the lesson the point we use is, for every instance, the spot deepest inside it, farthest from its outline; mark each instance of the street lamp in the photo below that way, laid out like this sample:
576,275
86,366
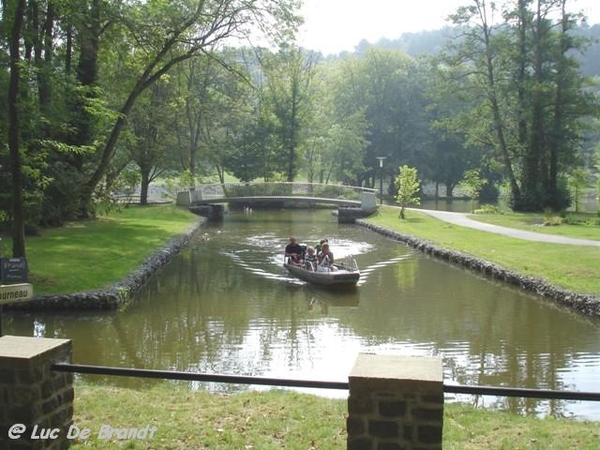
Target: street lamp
381,159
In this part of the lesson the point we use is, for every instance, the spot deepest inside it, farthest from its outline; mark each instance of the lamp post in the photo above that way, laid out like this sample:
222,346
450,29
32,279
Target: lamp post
381,159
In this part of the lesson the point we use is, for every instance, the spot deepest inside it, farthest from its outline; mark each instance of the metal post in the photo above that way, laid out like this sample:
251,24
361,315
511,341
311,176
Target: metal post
380,185
381,159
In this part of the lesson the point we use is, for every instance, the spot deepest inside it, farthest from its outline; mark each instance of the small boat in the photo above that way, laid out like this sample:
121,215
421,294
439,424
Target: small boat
346,274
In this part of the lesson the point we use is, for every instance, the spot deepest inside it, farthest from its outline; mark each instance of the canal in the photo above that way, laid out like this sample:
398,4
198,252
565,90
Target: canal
225,305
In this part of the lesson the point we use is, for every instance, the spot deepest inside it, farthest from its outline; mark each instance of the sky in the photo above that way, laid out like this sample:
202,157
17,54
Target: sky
332,26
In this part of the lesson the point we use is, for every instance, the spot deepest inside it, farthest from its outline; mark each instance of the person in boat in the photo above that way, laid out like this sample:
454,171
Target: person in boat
320,245
325,259
294,251
310,260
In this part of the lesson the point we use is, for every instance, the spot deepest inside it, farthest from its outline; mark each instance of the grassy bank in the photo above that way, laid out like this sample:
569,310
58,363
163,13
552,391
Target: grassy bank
571,267
89,255
276,419
575,225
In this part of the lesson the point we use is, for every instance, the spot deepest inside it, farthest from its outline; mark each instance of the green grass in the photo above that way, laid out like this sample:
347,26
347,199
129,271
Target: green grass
278,419
90,255
581,226
571,267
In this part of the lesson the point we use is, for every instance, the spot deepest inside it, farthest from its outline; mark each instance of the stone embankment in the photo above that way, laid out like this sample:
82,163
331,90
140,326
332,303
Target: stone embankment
119,294
588,305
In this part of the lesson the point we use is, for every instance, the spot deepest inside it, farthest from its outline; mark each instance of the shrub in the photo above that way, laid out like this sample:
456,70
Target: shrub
488,209
551,219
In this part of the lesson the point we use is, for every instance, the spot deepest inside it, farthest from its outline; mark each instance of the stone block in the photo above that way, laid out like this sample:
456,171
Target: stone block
390,446
429,434
383,428
355,426
362,443
392,408
383,373
360,404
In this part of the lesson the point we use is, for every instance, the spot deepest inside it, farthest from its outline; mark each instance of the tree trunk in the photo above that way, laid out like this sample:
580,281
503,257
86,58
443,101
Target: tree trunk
14,131
499,126
144,186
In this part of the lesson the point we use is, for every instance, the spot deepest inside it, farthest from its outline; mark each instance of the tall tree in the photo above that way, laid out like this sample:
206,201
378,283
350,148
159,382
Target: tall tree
151,136
385,87
15,10
523,93
289,82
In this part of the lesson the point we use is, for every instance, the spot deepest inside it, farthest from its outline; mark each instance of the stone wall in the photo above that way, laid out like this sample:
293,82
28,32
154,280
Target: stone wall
350,215
588,305
395,403
36,403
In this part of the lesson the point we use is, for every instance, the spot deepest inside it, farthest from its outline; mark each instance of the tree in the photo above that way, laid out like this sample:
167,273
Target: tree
522,91
474,184
151,137
335,137
578,181
215,102
289,84
408,186
384,88
15,11
165,34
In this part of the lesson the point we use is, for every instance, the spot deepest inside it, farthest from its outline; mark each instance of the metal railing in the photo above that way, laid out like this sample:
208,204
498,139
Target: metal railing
278,189
282,382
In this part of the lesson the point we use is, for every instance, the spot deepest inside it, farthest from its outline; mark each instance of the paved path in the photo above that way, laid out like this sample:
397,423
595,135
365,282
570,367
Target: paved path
463,220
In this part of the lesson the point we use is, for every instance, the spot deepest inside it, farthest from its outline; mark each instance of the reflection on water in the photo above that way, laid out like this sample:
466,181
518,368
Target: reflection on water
226,305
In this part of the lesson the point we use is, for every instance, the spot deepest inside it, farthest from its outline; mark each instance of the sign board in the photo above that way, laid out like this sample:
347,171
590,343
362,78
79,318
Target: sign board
13,270
12,293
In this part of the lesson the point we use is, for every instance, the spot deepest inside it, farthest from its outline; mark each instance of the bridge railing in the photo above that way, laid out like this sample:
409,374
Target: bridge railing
277,189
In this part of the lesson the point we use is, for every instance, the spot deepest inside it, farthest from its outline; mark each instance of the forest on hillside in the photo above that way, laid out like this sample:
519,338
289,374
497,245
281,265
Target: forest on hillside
433,42
103,95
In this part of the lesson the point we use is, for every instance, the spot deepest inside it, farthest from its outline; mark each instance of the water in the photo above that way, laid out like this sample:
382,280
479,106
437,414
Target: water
227,306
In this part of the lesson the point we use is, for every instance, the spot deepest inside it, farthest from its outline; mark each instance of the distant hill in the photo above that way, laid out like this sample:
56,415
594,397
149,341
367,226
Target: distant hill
431,42
590,65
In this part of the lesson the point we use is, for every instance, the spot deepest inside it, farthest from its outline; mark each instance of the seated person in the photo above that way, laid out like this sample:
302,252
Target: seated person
319,245
310,261
294,251
325,259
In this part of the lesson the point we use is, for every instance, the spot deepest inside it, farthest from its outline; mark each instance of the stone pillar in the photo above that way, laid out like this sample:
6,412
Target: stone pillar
36,403
368,200
395,403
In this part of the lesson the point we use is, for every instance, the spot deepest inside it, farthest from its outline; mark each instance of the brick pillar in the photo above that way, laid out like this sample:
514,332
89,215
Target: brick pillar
36,403
395,403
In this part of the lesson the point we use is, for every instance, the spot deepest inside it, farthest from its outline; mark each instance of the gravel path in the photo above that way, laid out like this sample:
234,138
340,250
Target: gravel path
463,220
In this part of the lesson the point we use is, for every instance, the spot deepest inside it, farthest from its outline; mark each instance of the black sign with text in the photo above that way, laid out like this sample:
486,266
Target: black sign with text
13,270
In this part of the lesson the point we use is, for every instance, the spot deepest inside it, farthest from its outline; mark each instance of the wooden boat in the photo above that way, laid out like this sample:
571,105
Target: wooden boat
346,274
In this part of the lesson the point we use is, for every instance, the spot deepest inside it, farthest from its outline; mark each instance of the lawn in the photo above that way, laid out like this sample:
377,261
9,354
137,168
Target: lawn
92,254
581,226
568,266
275,419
